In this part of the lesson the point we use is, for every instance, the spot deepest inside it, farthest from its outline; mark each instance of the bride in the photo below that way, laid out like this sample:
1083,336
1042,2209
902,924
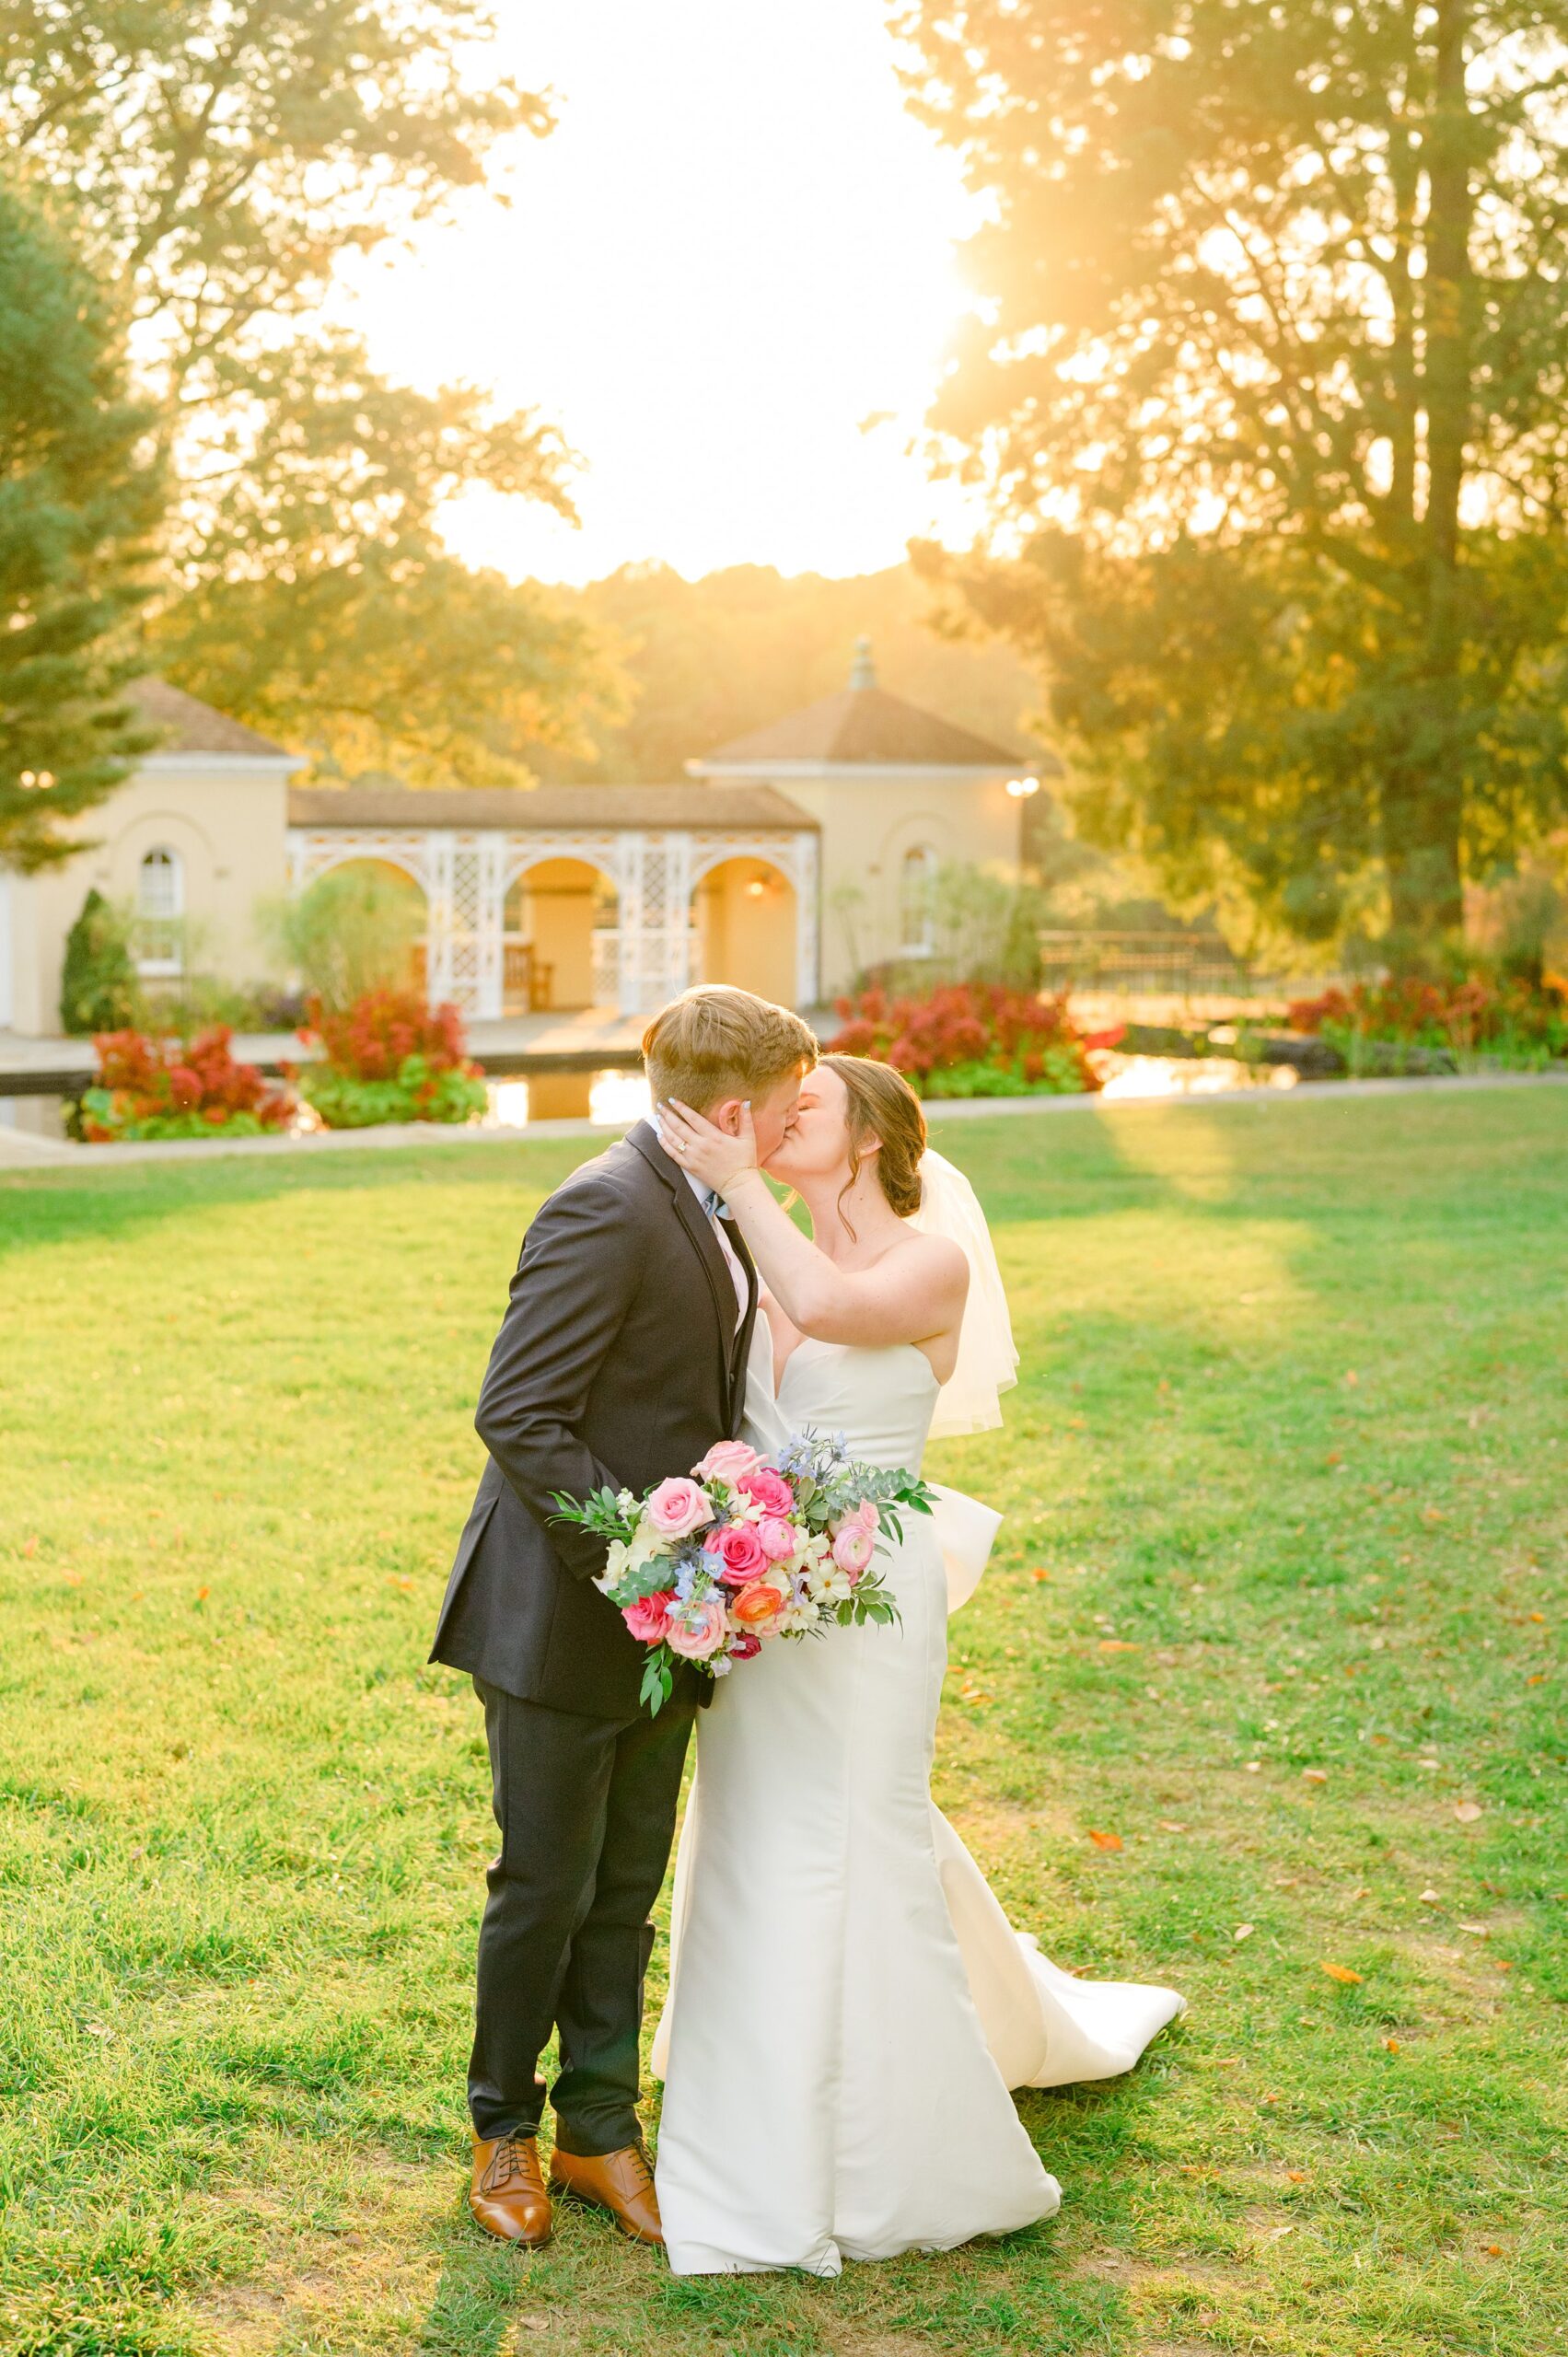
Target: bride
848,2004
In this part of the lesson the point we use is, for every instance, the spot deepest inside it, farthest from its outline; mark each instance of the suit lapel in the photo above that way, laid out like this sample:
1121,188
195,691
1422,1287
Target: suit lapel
741,1349
699,1232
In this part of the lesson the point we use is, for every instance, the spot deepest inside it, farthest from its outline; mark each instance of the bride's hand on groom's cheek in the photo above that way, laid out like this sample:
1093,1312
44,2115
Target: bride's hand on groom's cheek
700,1146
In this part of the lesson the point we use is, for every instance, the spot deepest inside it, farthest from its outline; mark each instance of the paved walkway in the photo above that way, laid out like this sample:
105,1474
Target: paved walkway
21,1149
590,1031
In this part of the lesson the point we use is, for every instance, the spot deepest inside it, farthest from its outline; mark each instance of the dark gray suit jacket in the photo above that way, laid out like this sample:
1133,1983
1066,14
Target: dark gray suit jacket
618,1361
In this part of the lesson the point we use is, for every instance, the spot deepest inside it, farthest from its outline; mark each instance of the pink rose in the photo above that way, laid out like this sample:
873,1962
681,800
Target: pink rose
738,1550
768,1489
742,1647
777,1539
678,1508
867,1516
648,1619
697,1631
726,1461
851,1548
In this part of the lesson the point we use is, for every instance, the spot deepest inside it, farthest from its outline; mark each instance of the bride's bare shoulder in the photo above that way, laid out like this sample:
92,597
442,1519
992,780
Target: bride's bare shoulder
940,1262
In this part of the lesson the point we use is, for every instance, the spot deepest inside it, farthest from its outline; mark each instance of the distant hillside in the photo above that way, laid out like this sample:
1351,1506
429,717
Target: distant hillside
704,661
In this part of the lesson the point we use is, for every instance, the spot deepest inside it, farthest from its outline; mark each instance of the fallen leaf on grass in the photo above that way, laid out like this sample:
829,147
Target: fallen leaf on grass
1314,1775
1538,1678
399,1579
1104,1840
1117,1645
1467,1811
1168,1825
1243,1932
203,1594
1430,1898
1296,2176
1537,1617
29,1546
1479,1931
1392,2044
1339,1972
973,1694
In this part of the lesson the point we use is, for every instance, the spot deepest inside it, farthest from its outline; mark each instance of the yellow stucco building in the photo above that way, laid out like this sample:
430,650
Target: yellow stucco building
785,862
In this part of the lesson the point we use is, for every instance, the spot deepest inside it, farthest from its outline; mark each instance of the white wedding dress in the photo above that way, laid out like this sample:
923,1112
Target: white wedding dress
848,2004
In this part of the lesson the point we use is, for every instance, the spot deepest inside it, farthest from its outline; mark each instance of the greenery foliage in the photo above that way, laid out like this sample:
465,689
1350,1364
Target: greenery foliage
244,1827
221,162
352,931
1269,378
1508,1023
98,986
79,494
390,1058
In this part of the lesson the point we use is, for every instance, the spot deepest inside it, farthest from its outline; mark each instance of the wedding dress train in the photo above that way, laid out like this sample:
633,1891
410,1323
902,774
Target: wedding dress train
849,2005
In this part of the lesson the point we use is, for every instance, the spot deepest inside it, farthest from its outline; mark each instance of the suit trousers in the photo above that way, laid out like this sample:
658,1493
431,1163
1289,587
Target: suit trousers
587,1811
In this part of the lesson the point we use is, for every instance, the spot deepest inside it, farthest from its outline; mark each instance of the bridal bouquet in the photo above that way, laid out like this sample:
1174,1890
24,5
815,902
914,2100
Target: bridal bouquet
708,1565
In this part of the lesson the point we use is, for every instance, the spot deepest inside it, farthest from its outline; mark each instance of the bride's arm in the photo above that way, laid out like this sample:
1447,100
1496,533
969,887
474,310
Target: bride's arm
913,1293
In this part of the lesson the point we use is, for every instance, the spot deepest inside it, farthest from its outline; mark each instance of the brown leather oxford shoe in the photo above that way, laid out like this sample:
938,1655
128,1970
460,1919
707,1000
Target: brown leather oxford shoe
621,2182
507,2193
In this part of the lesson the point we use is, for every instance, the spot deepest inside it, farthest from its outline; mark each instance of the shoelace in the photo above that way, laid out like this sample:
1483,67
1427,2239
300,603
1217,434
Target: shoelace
509,2160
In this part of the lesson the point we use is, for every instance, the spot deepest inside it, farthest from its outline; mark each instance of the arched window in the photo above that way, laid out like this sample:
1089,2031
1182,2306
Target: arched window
160,904
917,918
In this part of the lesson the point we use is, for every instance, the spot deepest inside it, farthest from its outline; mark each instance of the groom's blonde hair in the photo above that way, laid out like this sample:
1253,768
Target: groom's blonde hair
716,1041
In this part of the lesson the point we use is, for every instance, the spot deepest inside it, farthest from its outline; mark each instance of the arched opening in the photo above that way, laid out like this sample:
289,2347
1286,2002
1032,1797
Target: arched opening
743,929
160,911
561,939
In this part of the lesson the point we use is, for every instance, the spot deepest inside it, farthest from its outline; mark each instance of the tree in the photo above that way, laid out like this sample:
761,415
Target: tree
224,155
1271,384
79,497
98,989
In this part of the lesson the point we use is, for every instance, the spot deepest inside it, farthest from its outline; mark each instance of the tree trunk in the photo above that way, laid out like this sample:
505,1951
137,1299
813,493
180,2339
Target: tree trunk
1423,807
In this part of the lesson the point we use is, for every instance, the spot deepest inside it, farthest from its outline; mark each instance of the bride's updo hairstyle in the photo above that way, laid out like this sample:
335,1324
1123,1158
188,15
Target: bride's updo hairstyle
884,1107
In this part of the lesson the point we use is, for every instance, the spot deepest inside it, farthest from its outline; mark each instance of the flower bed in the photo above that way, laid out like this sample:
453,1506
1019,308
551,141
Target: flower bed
973,1039
1516,1023
390,1058
152,1087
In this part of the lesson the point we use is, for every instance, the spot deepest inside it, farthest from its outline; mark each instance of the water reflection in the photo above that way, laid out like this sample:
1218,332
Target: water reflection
610,1100
1154,1077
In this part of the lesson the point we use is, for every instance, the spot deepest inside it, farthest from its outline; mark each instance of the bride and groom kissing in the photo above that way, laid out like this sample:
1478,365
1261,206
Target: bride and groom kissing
849,2006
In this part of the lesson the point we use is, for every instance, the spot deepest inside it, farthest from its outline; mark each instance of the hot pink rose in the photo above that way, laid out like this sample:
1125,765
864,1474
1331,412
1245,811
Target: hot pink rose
649,1619
726,1461
678,1508
768,1489
697,1631
851,1548
738,1550
777,1539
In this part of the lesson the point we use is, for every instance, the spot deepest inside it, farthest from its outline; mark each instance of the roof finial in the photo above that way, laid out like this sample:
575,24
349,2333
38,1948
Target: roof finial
862,671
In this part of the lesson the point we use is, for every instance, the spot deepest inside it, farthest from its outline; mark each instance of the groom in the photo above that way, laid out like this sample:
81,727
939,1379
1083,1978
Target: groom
621,1358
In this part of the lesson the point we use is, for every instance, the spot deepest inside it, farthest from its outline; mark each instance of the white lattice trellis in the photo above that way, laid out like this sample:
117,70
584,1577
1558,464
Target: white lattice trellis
466,875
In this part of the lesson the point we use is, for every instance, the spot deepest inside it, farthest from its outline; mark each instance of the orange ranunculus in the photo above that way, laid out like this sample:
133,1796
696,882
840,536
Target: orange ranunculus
757,1605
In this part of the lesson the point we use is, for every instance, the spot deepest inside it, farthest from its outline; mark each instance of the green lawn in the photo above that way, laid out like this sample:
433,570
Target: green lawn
1279,1605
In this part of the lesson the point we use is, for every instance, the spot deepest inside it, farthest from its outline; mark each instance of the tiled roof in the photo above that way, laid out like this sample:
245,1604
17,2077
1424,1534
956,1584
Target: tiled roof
863,725
749,807
191,726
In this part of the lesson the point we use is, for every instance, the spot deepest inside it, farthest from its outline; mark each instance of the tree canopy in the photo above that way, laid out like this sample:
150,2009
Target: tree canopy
1268,387
79,496
221,159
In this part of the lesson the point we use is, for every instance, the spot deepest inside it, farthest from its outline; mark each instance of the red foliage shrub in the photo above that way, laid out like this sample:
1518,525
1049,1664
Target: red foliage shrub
381,1031
989,1039
1472,1014
150,1087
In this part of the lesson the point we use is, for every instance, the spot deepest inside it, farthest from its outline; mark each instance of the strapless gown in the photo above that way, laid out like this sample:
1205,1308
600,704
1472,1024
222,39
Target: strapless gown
849,2005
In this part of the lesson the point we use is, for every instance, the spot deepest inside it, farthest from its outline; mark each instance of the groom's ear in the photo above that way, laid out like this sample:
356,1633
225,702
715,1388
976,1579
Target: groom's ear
725,1116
